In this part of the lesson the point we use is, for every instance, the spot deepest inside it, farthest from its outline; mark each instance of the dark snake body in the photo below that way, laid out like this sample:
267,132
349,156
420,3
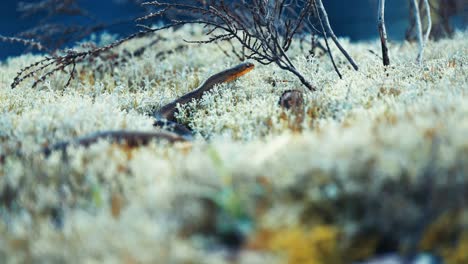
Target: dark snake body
131,138
165,118
169,110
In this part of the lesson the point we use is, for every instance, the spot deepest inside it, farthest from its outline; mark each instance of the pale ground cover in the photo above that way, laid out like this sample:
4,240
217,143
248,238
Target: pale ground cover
378,138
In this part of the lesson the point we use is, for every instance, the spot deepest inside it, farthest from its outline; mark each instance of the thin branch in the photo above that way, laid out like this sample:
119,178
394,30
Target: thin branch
58,63
328,50
419,34
422,39
26,42
383,32
429,21
333,36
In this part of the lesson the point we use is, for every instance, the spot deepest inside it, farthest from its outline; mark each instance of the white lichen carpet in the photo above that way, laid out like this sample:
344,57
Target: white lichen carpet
252,173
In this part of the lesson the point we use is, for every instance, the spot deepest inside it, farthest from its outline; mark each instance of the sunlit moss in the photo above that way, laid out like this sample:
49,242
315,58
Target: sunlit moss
458,254
318,245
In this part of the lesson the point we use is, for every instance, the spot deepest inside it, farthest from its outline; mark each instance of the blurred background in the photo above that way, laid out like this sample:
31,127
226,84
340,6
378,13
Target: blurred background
354,19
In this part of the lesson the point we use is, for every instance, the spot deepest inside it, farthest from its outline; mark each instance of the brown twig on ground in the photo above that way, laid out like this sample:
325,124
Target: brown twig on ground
53,36
383,32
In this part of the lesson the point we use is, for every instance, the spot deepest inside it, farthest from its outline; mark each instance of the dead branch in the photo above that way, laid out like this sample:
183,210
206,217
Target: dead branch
419,30
429,21
55,36
324,15
383,32
328,50
26,42
444,11
48,66
264,29
416,18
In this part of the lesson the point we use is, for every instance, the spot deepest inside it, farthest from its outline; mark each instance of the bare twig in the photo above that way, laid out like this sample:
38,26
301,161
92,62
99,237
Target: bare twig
332,34
328,50
383,32
422,39
444,11
429,21
27,42
54,64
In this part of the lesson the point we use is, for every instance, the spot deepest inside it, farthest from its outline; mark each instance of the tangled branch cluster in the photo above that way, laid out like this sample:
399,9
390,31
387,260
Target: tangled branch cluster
265,29
56,63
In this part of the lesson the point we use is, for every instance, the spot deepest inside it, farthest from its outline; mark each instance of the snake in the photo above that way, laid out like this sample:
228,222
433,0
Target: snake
164,117
169,110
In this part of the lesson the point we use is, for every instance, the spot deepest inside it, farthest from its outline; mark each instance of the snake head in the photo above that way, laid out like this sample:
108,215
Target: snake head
239,71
